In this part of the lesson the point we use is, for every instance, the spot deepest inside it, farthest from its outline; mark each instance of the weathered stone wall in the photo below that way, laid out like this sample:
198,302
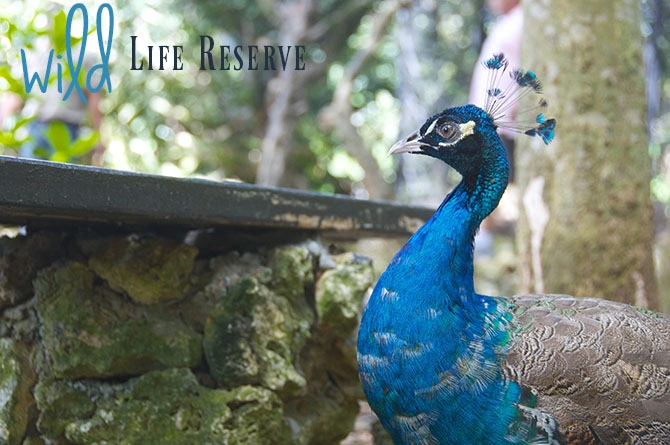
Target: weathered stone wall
141,339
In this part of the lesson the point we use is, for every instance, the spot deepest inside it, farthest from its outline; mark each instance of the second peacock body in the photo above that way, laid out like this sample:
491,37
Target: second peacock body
441,364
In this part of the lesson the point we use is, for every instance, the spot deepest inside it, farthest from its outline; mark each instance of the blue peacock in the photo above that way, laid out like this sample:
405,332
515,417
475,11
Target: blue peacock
441,364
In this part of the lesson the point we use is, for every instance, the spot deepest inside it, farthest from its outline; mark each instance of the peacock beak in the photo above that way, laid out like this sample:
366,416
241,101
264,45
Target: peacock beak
410,144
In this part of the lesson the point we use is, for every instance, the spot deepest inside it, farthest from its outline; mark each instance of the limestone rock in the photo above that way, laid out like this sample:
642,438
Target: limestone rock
16,379
327,409
60,401
339,292
166,407
292,270
264,332
216,277
278,339
20,259
89,331
251,338
253,335
150,270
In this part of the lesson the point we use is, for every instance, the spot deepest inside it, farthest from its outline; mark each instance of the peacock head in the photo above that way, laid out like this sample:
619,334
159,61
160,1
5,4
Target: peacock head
458,136
466,136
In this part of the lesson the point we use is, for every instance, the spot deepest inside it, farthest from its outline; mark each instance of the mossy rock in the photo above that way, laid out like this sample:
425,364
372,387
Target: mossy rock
292,271
150,270
327,409
252,337
60,401
16,379
276,361
264,332
92,332
166,407
340,291
20,260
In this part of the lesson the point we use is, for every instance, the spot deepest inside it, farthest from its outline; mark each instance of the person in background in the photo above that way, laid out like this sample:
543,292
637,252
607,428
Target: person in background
72,112
504,37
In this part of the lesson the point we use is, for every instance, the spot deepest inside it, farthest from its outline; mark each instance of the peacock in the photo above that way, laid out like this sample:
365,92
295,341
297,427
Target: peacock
442,364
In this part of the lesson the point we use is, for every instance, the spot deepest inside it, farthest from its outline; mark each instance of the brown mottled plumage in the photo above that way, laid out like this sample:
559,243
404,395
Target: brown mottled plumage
601,368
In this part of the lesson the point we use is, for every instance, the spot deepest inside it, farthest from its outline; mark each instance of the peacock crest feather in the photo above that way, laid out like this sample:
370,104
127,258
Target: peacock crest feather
518,85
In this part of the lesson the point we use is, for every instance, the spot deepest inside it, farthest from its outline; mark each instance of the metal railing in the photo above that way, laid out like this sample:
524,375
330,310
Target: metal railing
48,194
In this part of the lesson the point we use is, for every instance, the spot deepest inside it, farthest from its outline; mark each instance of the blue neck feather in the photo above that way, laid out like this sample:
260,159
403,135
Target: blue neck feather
430,349
429,345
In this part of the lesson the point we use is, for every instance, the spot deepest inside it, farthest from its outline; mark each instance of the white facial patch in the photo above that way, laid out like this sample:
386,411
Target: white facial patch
431,127
466,129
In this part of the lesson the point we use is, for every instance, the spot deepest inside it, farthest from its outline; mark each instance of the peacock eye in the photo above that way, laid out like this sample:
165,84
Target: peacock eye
449,131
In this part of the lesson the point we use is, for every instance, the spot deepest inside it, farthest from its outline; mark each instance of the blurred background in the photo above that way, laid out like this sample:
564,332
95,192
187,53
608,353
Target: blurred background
374,71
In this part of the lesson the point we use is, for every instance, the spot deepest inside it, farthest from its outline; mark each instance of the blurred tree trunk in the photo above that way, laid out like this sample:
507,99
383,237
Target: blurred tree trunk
309,23
281,121
421,180
585,224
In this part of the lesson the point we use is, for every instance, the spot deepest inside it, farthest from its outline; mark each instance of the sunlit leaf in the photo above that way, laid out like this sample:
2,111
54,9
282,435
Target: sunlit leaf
84,144
40,153
59,136
15,85
58,32
7,139
59,157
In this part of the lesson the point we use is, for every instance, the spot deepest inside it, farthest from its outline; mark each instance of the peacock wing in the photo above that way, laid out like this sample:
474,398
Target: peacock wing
600,369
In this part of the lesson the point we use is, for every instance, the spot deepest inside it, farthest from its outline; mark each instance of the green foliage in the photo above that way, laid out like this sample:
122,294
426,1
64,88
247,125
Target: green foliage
13,139
12,84
22,27
67,150
57,33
